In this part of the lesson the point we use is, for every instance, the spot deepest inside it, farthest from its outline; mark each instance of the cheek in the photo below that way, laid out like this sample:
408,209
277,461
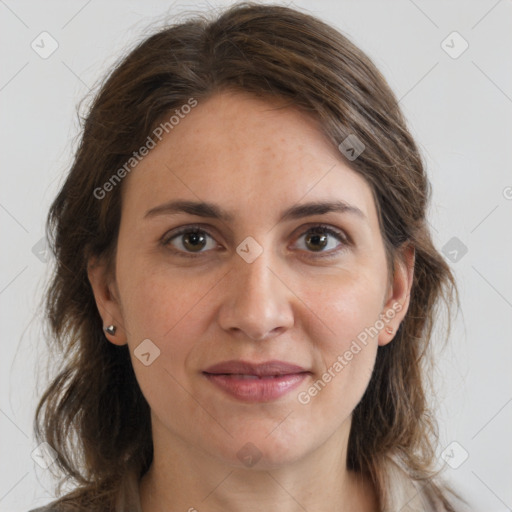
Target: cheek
347,305
158,303
345,337
170,312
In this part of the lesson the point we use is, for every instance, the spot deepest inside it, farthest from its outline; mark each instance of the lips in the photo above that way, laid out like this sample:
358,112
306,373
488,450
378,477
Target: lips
266,369
256,382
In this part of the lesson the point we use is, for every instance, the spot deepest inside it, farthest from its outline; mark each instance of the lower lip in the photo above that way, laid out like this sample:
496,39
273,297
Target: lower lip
256,390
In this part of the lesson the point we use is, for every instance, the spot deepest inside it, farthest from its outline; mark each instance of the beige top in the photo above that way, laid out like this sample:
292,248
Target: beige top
402,494
407,495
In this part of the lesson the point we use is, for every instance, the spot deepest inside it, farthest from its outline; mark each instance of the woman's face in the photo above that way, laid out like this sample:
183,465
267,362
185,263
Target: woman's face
264,284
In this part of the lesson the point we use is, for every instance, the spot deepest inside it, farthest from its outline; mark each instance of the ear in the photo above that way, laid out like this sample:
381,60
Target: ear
107,302
399,294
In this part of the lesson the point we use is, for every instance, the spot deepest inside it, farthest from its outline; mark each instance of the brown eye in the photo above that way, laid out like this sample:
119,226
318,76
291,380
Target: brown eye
316,242
193,241
322,240
190,241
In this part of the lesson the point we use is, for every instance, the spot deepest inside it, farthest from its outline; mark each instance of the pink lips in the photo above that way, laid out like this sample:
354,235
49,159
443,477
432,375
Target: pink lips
256,382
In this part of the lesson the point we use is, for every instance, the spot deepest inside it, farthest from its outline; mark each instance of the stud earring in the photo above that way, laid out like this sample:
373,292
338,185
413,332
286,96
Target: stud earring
110,329
389,330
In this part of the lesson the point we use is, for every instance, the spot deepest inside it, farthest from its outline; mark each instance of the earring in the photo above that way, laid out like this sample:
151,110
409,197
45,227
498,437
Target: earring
110,329
389,330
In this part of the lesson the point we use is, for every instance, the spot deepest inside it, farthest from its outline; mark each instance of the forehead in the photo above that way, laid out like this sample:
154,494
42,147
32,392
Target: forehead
246,153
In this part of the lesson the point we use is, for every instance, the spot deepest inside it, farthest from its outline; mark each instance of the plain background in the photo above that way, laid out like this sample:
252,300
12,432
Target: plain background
458,109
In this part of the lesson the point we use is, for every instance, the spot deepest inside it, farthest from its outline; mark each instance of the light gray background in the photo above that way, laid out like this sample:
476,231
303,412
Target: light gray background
459,110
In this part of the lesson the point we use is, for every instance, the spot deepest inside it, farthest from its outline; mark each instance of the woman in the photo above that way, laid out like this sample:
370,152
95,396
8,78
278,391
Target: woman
245,283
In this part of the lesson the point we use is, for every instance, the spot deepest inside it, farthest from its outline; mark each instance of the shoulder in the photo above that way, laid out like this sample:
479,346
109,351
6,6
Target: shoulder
402,492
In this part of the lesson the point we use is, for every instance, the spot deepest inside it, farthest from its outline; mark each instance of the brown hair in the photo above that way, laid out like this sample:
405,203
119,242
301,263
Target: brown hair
93,413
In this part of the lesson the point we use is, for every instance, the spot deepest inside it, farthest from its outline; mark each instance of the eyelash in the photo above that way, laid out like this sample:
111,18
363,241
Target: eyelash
321,229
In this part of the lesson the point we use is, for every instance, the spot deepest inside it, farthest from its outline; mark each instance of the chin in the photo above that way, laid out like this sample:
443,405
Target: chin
263,451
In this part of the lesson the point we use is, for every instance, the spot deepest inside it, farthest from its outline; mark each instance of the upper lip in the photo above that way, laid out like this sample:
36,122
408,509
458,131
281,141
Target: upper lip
264,369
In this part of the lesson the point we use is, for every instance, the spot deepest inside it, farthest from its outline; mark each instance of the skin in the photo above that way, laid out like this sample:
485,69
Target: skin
254,160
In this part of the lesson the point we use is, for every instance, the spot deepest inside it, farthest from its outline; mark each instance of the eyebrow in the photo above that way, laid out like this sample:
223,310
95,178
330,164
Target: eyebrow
213,211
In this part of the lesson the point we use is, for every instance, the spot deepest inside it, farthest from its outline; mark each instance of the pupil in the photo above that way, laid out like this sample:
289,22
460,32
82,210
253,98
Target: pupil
316,239
192,240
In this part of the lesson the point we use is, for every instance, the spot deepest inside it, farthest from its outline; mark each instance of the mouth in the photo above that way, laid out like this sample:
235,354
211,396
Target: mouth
251,382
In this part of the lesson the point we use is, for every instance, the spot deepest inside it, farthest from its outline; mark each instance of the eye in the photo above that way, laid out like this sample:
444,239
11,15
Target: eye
192,241
323,240
189,241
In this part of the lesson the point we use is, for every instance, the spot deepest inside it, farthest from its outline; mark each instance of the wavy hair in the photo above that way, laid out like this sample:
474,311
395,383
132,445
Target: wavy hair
93,412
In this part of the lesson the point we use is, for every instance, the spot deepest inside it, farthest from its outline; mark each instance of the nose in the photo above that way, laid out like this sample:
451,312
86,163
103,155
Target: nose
257,303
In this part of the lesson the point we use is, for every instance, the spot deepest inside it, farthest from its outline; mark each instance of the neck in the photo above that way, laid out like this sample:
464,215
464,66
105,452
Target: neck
183,478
